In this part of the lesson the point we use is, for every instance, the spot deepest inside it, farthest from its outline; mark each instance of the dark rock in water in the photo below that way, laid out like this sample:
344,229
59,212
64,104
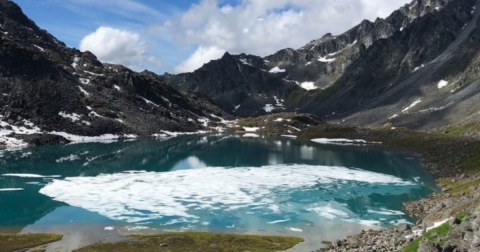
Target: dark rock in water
427,246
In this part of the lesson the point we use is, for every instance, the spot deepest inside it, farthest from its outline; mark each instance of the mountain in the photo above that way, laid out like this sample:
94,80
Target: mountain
46,87
243,85
417,68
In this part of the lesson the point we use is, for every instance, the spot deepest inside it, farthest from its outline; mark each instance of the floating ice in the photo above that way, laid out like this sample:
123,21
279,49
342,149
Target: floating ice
142,196
11,189
26,175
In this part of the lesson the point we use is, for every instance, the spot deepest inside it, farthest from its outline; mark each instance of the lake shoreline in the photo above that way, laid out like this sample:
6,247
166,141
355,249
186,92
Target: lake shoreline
454,159
452,172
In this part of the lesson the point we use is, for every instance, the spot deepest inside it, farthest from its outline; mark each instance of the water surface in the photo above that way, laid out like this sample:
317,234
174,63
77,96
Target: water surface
232,184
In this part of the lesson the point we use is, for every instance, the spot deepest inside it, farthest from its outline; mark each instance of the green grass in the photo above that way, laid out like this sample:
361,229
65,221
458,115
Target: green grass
434,235
459,187
201,242
15,242
461,130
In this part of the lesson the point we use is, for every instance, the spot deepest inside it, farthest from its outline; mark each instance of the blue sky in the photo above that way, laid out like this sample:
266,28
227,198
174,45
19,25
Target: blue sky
181,35
72,22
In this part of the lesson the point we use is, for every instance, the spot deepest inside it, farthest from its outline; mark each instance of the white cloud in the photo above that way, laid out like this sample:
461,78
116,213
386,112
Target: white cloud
262,27
198,58
118,47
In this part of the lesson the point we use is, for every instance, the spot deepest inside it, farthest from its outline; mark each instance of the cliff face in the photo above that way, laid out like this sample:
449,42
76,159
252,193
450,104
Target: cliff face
389,70
48,87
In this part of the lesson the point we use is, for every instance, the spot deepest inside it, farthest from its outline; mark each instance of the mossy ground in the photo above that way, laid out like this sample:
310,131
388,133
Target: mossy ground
446,155
435,235
15,242
460,187
460,130
204,242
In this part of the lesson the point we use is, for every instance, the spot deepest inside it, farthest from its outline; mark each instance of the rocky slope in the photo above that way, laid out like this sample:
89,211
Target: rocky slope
243,85
46,87
416,68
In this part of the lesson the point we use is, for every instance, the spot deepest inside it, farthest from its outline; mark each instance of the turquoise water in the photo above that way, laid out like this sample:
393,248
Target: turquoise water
232,184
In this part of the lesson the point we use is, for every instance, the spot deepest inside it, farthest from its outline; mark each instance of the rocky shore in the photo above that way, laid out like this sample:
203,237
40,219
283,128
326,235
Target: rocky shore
449,220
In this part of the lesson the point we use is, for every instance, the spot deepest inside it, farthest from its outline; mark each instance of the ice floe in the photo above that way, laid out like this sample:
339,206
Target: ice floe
27,175
11,189
141,196
341,141
251,135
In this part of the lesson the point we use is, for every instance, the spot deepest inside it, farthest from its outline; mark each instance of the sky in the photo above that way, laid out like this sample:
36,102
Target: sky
179,36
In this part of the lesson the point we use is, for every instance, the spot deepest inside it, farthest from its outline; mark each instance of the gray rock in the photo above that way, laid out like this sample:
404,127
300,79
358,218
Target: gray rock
448,248
354,241
427,246
476,240
468,236
403,227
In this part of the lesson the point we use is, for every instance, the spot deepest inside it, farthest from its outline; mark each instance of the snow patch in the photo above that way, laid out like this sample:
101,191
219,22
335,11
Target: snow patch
91,73
74,117
325,60
277,70
251,129
269,108
418,68
76,59
308,85
84,81
245,62
415,103
441,84
107,138
149,102
39,48
83,91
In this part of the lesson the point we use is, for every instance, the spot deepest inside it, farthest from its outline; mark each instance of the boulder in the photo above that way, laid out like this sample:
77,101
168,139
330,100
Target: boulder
448,248
427,246
403,227
454,221
354,241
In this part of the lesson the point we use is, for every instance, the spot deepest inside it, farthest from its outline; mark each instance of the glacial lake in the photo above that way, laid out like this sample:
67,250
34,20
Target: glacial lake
218,183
